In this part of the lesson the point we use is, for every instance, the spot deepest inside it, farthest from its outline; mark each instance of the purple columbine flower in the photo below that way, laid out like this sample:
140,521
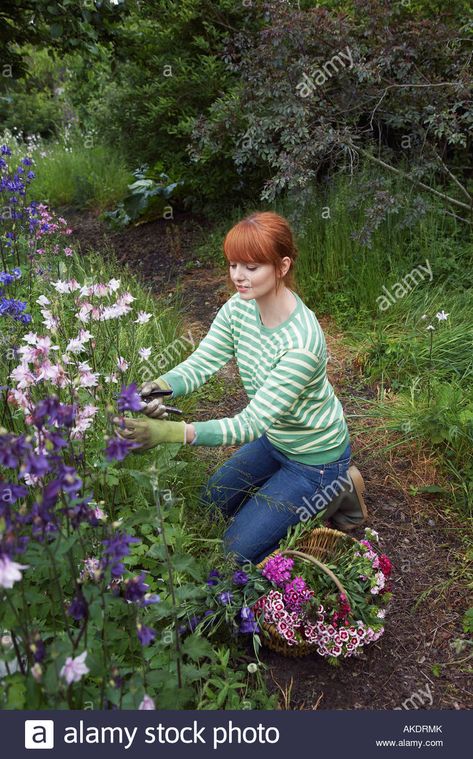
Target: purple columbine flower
146,635
117,448
151,598
78,607
129,400
225,598
135,588
240,577
248,623
116,548
213,577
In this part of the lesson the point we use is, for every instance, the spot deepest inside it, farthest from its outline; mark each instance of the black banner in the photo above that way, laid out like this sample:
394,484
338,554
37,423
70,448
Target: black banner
70,734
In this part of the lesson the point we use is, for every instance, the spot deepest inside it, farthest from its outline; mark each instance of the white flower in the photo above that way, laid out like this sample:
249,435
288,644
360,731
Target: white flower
424,316
66,287
143,317
442,316
84,312
113,285
144,353
73,669
76,345
43,301
252,667
10,571
50,322
372,535
431,327
147,703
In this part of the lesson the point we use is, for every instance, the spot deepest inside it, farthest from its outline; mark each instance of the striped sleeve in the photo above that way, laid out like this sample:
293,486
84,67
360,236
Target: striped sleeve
274,398
214,351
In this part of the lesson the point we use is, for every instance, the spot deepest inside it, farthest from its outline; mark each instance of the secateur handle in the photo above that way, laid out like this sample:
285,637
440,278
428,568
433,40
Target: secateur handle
155,394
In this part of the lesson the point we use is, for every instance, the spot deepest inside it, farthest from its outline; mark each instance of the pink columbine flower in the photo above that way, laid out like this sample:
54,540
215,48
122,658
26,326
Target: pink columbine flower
23,376
122,364
73,669
147,703
125,299
83,314
10,571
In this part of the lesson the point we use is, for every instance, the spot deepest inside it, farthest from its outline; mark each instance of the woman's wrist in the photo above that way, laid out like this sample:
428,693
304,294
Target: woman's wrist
190,433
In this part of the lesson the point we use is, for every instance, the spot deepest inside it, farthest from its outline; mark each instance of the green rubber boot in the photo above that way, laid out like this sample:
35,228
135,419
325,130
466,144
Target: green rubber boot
348,509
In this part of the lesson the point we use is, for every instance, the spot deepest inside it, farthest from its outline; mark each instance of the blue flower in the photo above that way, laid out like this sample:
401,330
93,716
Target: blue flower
129,400
78,607
135,588
212,579
146,635
117,448
225,598
248,623
240,577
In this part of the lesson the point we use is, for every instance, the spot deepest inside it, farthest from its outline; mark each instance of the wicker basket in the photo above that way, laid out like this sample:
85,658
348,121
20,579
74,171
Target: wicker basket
322,544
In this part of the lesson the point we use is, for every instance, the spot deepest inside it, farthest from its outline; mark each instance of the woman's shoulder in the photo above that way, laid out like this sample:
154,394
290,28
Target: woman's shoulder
309,332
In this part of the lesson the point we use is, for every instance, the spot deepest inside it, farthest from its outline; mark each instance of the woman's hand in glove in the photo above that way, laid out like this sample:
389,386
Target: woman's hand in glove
150,432
155,408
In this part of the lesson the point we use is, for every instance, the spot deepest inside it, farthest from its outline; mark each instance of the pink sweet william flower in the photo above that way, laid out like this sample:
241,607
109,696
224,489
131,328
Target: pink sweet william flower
10,571
73,669
68,251
147,703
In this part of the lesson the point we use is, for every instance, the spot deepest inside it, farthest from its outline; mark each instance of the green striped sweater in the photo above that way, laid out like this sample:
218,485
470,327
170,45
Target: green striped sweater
283,370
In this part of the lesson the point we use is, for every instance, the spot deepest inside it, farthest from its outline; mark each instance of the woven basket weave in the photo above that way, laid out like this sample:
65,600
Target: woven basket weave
320,545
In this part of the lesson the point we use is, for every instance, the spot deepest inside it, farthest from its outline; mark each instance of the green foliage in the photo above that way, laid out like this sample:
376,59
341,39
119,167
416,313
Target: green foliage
82,173
147,198
468,621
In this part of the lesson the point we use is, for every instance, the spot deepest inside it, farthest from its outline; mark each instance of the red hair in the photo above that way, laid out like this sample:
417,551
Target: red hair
262,237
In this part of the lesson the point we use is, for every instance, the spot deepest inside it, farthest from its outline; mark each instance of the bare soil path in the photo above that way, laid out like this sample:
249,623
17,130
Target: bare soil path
416,664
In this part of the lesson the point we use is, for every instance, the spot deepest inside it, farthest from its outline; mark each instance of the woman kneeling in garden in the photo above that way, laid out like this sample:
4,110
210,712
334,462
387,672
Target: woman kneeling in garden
296,440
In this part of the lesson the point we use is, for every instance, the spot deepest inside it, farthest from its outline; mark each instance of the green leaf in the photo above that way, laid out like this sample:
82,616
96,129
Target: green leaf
468,621
56,30
197,648
16,691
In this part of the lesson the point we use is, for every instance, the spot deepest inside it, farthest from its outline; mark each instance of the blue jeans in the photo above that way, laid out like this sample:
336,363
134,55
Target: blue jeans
265,493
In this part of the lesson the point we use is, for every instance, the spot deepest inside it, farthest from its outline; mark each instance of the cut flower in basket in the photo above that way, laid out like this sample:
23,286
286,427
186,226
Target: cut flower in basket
298,605
334,608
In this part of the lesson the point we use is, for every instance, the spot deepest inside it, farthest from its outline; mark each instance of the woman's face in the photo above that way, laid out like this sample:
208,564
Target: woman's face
255,280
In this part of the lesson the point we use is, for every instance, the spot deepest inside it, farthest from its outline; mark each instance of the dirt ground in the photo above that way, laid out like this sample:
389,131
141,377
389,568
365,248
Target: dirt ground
417,657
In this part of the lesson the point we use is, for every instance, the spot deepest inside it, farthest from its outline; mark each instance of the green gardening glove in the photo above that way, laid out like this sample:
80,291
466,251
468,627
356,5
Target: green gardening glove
155,408
150,432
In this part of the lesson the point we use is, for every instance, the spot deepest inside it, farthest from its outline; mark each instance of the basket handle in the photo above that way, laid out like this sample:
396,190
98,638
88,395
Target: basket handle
318,563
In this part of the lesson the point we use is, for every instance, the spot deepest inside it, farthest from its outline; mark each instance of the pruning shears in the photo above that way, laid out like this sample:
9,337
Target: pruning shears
157,394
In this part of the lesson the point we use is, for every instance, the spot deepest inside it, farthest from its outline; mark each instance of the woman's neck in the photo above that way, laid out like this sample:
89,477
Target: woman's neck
276,308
